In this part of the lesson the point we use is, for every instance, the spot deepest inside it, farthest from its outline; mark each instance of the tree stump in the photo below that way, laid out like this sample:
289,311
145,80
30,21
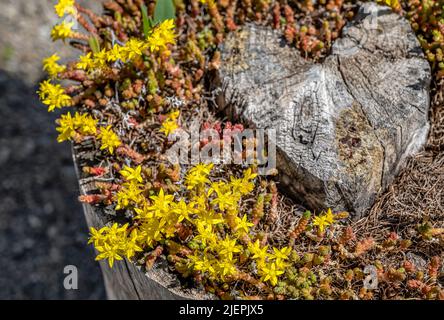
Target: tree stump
344,127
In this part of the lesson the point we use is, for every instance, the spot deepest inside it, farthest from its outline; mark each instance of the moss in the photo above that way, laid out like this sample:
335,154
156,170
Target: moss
359,148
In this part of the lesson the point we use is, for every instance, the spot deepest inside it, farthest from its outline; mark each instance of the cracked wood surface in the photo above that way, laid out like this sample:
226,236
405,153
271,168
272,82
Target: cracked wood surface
345,126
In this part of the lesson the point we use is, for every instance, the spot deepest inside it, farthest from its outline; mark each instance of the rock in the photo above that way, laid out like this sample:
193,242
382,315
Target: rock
343,127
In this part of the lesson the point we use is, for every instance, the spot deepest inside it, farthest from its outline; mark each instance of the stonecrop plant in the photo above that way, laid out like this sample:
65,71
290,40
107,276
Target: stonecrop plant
140,76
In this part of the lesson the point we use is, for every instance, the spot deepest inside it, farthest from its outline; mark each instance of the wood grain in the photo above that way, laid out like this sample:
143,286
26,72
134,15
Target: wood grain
344,127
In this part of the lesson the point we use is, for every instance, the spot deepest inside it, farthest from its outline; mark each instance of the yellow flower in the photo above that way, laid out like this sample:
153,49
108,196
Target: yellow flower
100,58
109,139
86,62
86,124
242,225
209,217
174,115
236,184
329,216
225,201
161,36
65,7
114,54
166,28
66,128
249,175
259,253
113,243
133,48
96,236
53,95
226,268
198,175
51,66
391,3
161,203
131,174
243,186
201,202
150,231
182,210
204,264
44,88
143,212
206,233
131,246
219,187
270,273
130,194
281,256
227,247
321,222
169,126
62,31
109,252
169,222
68,125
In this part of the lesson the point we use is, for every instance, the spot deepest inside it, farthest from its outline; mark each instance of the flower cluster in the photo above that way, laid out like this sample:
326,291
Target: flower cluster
222,235
51,66
109,139
198,175
324,220
160,37
131,192
87,62
62,31
169,125
83,124
115,243
64,7
53,95
271,264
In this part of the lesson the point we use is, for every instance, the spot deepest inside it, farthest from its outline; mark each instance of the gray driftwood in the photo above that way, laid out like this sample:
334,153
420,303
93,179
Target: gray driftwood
344,127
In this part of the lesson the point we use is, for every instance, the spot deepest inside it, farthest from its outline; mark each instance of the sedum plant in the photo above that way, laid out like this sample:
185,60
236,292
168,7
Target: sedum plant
139,77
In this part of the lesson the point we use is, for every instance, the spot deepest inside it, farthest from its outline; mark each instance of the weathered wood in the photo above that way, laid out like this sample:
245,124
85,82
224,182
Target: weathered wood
344,127
126,281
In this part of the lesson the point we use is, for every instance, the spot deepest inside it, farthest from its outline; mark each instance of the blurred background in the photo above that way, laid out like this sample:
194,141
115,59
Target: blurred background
42,227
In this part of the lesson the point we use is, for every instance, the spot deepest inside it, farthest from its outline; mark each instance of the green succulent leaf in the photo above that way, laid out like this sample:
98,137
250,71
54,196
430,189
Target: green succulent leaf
164,10
147,22
94,44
